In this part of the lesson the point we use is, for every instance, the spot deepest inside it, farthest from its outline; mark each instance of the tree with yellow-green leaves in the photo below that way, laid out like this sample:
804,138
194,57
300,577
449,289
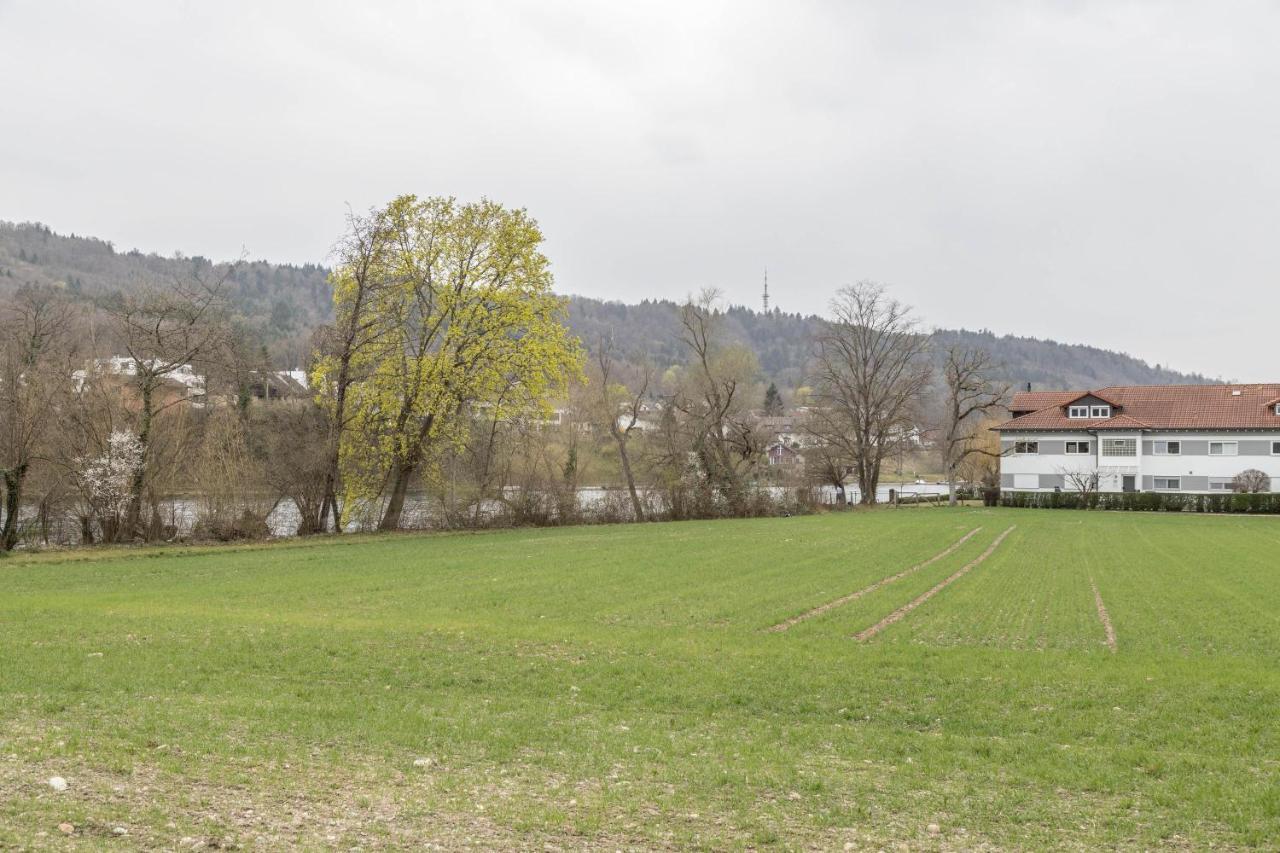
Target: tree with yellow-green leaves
456,316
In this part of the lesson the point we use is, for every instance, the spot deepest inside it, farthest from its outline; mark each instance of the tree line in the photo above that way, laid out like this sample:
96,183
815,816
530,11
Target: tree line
447,390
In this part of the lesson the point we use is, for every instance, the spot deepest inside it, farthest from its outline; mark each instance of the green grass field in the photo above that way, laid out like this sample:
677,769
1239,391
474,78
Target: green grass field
618,687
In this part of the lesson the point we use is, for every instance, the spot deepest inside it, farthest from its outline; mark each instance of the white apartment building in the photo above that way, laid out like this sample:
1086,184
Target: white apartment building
1176,438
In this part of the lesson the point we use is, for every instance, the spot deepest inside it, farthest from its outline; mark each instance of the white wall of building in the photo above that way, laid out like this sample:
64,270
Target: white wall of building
1192,468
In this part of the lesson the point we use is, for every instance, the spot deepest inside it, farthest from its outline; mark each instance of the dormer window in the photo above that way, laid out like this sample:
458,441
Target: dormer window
1083,411
1100,412
1277,408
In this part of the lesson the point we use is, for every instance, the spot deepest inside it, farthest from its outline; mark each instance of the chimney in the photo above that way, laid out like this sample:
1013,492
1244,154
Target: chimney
1028,387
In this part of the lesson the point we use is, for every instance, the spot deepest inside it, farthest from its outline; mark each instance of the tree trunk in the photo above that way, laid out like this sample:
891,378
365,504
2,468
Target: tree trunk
399,490
403,472
133,519
311,513
155,528
13,479
44,520
951,485
636,505
335,443
329,499
868,480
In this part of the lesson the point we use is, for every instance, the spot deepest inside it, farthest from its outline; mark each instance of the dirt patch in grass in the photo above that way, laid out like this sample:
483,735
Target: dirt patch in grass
902,611
356,808
831,605
149,809
1103,616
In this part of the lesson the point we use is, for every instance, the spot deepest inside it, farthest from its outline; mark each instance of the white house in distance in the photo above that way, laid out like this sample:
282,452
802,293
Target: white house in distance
1172,438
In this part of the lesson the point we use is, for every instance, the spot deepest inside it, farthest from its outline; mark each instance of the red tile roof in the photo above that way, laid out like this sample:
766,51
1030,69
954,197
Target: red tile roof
1118,422
1153,407
1034,401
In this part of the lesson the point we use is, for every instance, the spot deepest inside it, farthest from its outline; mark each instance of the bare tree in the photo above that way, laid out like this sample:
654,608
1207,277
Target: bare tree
826,465
37,345
618,410
871,369
231,499
480,468
722,438
93,419
288,439
971,395
984,468
164,331
1082,482
1251,481
355,280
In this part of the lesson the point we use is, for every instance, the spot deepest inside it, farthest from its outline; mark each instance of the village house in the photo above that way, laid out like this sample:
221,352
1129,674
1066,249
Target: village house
1177,438
279,385
180,385
649,417
779,453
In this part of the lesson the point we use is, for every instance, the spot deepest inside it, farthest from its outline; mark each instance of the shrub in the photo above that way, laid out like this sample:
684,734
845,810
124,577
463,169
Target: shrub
227,528
1251,481
1268,504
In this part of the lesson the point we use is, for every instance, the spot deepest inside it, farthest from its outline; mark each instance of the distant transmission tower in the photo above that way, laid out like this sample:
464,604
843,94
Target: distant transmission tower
766,290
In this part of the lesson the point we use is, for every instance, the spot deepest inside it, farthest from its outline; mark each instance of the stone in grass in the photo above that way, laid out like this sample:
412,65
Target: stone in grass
424,762
119,830
66,828
57,783
933,829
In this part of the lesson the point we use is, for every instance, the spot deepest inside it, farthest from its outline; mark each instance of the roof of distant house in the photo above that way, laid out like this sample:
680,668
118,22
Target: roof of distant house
1156,407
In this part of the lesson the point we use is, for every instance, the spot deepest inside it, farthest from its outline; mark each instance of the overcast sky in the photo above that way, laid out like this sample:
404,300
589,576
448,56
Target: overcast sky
1097,173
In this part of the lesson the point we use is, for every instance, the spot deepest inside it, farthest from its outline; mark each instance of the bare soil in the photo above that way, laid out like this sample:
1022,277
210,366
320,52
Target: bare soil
1103,616
831,605
902,611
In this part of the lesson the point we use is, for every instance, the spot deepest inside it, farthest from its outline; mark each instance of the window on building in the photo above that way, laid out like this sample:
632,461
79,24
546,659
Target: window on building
1119,447
1075,448
1167,448
1275,448
1077,411
1278,408
1100,412
1220,484
1026,448
1168,484
1224,448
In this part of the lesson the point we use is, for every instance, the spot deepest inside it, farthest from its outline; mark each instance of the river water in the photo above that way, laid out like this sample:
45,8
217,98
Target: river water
181,513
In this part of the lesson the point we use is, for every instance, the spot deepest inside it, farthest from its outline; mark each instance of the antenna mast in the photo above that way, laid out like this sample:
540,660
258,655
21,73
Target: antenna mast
766,290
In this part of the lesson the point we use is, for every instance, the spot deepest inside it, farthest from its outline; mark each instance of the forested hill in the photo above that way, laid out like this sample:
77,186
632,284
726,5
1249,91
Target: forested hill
282,303
782,343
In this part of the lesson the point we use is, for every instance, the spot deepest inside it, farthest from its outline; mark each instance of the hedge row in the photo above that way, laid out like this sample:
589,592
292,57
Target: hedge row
1146,501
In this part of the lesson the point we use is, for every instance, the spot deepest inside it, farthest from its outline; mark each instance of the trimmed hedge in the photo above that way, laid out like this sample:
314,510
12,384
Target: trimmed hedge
1263,504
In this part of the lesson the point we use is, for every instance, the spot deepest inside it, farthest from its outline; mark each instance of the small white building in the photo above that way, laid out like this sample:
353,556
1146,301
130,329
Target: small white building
182,375
1176,438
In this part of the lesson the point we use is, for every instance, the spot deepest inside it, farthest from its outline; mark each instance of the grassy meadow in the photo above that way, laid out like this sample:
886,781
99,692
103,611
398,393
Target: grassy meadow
619,687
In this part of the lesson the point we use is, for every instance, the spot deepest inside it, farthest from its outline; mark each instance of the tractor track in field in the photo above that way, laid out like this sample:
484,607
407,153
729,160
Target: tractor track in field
854,596
901,612
1103,616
